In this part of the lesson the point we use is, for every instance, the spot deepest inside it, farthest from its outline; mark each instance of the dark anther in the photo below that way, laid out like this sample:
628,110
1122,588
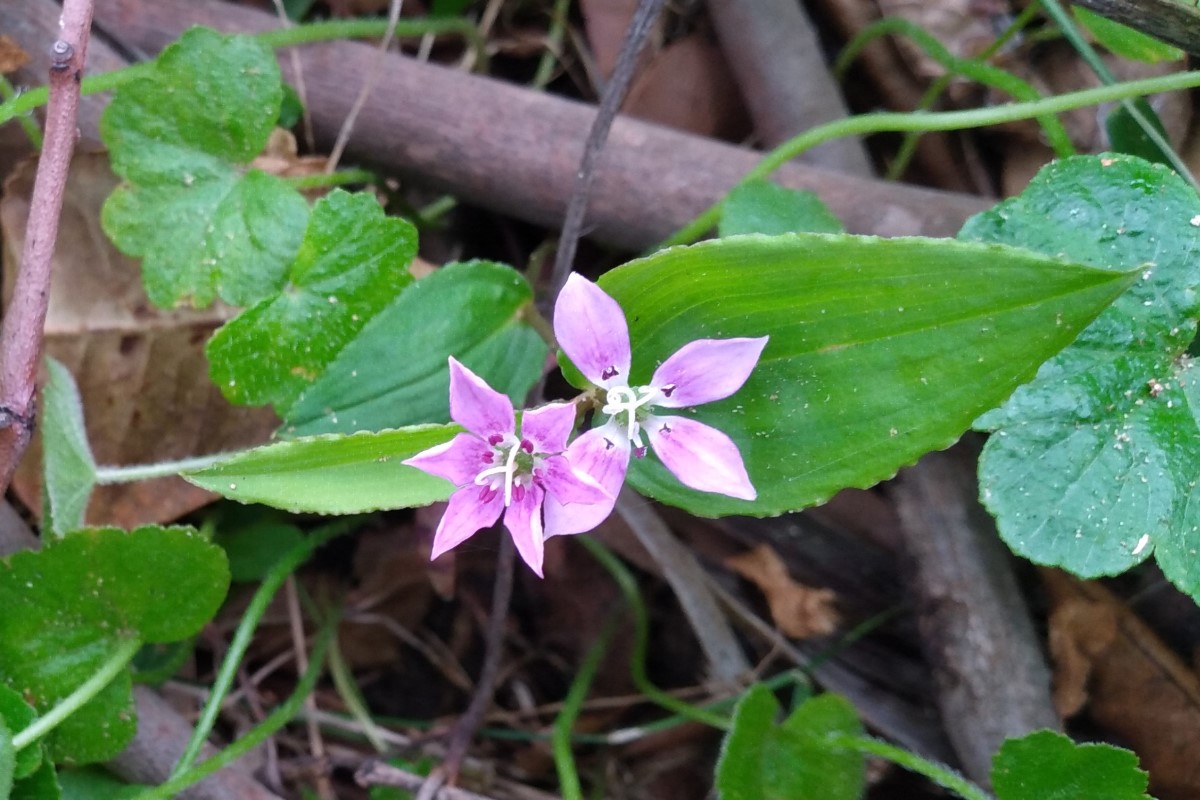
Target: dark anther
495,439
608,444
639,452
668,390
610,372
61,54
527,445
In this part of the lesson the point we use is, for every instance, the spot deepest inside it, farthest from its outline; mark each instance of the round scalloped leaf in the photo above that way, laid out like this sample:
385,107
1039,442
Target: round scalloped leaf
18,715
1093,464
181,137
69,606
880,349
1047,764
333,474
486,332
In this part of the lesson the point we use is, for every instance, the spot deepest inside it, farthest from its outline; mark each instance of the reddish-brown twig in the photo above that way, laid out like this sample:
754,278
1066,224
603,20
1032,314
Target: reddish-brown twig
21,331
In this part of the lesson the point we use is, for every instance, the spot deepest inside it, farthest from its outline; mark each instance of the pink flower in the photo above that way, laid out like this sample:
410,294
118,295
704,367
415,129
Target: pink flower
499,472
591,330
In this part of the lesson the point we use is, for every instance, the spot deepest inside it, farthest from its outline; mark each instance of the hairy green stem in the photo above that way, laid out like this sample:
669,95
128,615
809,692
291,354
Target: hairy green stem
933,121
8,92
281,716
284,37
64,708
564,724
287,564
164,469
938,773
641,627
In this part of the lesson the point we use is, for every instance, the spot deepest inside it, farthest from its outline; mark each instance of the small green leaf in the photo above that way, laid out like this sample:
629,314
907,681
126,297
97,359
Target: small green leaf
880,351
71,604
1047,764
181,137
93,783
8,760
1127,136
352,263
486,332
763,761
761,206
1125,41
254,549
41,785
1094,464
159,662
19,715
69,470
333,474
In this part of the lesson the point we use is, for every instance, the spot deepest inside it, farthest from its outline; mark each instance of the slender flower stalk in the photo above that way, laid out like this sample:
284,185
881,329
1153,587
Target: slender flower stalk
591,329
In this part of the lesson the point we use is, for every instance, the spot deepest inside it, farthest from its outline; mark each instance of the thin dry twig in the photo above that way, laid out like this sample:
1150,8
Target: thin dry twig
310,138
316,743
24,321
376,773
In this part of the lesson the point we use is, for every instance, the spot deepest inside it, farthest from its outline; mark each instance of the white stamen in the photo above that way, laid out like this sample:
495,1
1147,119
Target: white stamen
627,400
508,470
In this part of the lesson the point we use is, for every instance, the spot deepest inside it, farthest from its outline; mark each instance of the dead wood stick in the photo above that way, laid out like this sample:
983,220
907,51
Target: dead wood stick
161,736
25,317
992,678
779,66
517,151
1174,22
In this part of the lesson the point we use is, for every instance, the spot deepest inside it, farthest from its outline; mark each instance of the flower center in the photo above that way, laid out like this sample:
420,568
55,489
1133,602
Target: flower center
630,405
515,461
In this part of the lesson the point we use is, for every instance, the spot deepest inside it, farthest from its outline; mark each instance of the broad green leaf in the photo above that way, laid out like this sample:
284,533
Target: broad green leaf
1125,41
68,468
41,785
333,474
182,138
1047,765
19,715
352,263
94,783
254,549
8,759
1127,136
414,336
762,206
881,349
71,604
763,761
1093,465
156,663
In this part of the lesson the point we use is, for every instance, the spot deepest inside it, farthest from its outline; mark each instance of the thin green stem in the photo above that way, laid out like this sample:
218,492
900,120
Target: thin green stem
281,716
641,627
283,37
343,681
554,42
9,92
938,773
933,121
564,724
109,670
163,469
339,178
287,564
1097,65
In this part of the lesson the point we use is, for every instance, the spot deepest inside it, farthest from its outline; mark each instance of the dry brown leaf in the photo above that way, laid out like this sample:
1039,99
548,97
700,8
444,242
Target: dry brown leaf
282,157
1131,683
799,611
141,371
12,56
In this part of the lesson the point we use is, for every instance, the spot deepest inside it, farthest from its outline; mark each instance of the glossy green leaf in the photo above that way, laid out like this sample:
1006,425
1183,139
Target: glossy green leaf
68,468
1125,41
881,349
764,761
41,785
352,263
19,715
414,336
333,474
1047,764
761,206
1094,464
181,138
69,606
1126,135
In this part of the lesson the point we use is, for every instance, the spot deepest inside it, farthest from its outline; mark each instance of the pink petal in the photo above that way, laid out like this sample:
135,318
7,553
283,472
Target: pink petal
591,330
569,485
524,522
458,460
706,370
548,428
476,406
602,454
701,457
470,509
